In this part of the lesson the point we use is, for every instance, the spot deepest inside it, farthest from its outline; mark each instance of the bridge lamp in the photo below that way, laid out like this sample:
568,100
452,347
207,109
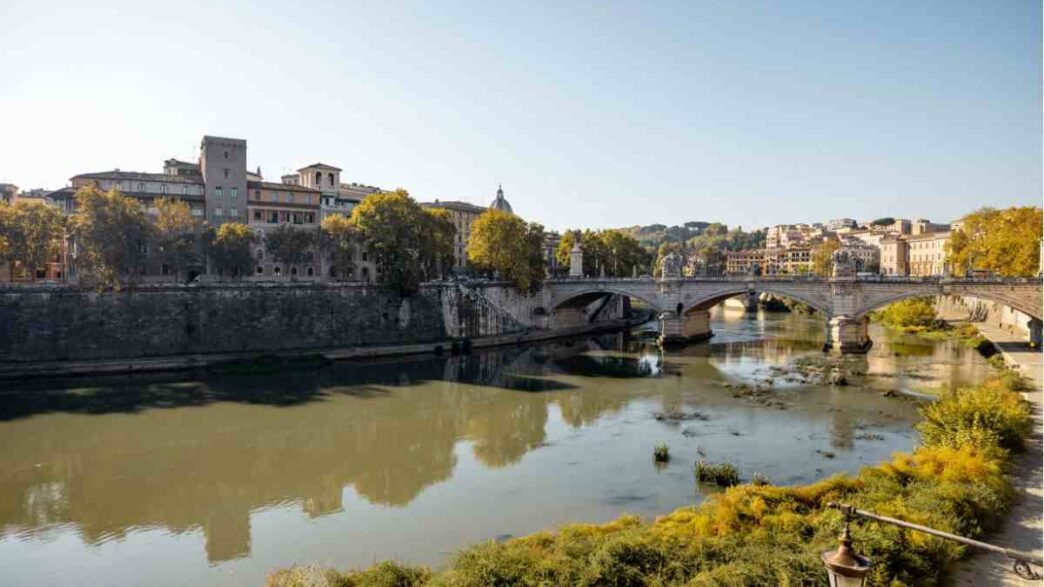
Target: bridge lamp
844,567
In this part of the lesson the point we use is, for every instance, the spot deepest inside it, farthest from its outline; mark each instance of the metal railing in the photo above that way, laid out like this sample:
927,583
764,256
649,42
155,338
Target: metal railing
1022,561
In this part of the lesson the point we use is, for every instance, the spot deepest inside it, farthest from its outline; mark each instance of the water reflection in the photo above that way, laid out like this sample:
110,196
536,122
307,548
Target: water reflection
109,457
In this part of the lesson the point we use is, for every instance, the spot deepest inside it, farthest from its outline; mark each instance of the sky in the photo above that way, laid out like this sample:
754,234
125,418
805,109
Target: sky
591,114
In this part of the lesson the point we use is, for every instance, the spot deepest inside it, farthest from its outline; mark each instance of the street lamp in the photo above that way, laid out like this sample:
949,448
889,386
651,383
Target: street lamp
844,567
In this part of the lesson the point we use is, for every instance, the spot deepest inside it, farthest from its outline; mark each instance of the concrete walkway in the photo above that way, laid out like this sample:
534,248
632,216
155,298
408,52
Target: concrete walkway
1024,527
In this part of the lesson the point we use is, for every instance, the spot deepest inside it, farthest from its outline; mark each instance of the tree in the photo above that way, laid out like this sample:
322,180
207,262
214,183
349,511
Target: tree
914,314
616,252
505,244
176,235
823,257
290,245
112,234
886,221
339,238
439,257
230,248
1004,242
393,227
32,234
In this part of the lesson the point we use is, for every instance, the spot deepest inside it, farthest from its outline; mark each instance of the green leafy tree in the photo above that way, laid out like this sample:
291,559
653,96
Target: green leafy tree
505,244
886,221
442,234
290,245
230,249
393,228
176,234
339,239
31,235
1005,242
914,314
112,235
616,252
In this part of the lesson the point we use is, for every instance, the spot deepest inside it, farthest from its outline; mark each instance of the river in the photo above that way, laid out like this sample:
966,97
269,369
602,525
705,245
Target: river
203,480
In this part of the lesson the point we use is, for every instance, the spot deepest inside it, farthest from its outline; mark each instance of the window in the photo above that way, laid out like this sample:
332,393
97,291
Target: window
275,196
288,198
277,270
331,177
226,172
273,217
293,270
318,178
197,211
226,154
257,194
184,190
310,272
233,212
260,270
233,192
163,188
217,191
141,187
284,216
310,217
297,218
219,212
257,215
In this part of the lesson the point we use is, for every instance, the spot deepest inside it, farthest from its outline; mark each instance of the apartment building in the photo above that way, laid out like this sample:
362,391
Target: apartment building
927,254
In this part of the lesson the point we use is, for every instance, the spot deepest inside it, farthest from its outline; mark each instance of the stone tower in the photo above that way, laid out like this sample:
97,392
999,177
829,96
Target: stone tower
222,162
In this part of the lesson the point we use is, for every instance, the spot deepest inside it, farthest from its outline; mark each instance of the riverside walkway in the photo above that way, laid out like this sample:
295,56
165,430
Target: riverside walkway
1024,526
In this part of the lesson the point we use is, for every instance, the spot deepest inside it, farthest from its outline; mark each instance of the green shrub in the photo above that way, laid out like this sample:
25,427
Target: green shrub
909,315
984,416
724,474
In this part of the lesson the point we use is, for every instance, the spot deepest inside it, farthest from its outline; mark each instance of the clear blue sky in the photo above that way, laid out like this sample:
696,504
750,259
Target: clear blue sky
591,114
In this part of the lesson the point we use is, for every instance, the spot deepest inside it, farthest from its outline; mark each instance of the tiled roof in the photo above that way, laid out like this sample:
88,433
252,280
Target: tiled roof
118,175
455,205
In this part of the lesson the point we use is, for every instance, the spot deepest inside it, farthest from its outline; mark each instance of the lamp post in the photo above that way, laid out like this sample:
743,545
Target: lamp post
844,567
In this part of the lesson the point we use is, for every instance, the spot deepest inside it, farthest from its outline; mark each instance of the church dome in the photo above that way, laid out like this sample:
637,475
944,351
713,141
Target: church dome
500,203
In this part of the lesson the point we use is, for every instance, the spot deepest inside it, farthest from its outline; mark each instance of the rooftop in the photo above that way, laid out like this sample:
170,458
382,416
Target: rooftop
320,166
116,174
455,205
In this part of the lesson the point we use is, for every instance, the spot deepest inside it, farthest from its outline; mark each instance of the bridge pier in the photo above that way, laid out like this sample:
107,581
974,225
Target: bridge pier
848,335
680,329
750,302
1036,332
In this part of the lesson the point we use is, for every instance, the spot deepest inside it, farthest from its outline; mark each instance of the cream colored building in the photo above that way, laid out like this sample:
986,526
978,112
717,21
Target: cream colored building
895,255
927,253
271,205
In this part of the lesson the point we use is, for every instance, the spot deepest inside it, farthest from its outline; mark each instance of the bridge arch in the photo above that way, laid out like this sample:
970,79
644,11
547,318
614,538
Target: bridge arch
588,295
708,301
1031,310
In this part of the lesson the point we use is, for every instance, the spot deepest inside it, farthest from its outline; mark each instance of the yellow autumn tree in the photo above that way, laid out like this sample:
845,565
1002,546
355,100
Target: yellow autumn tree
1004,242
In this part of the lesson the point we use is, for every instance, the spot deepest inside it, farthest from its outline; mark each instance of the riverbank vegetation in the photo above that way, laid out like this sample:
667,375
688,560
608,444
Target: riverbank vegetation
919,317
762,535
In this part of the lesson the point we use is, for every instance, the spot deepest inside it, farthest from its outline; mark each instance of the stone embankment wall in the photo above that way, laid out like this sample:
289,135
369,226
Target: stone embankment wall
72,324
979,310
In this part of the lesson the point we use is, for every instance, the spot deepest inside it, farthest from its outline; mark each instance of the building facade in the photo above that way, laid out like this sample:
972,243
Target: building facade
463,215
895,254
223,167
927,254
271,205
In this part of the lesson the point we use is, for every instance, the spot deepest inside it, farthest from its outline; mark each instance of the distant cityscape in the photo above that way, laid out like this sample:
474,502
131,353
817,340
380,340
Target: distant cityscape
219,188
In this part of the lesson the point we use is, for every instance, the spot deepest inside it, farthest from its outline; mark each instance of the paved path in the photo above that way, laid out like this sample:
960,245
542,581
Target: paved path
1024,527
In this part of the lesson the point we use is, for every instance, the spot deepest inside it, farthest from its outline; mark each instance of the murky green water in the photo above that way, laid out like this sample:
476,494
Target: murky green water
188,481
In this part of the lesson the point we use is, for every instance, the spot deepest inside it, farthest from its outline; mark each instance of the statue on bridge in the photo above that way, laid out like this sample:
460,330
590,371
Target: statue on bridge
671,266
844,263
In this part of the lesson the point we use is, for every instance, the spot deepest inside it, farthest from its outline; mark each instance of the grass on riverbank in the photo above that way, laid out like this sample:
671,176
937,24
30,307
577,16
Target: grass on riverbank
764,535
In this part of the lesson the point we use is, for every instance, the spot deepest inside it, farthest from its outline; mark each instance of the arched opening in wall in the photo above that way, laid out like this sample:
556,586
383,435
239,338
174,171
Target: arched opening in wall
277,270
318,178
310,272
293,270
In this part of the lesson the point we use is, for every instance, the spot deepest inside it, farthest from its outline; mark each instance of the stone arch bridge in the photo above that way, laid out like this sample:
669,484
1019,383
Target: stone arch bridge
682,304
